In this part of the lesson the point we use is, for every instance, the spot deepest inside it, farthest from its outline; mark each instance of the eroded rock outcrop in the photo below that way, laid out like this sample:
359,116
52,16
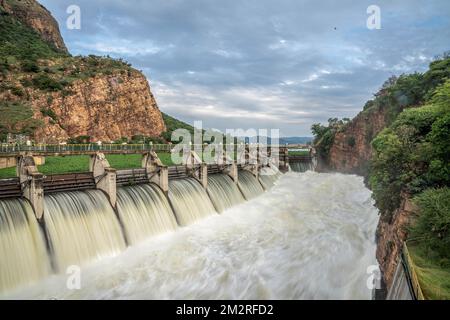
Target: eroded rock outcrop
102,98
36,17
391,233
351,149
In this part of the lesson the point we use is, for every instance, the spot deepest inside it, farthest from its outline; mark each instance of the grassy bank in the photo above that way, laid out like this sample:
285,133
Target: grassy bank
433,277
71,164
299,153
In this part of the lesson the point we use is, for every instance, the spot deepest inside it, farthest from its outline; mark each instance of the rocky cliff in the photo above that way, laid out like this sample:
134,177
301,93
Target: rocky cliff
102,98
390,237
36,17
351,149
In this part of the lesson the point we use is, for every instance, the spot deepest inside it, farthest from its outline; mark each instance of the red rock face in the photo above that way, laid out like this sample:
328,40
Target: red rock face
105,108
390,237
351,149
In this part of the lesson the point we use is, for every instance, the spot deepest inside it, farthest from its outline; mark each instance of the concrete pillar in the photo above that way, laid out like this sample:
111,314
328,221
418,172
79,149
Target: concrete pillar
204,175
252,163
162,179
284,159
156,171
32,184
263,156
232,171
196,168
104,176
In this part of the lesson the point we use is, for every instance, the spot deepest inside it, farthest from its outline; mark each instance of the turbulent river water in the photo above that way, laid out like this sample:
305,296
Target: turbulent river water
312,236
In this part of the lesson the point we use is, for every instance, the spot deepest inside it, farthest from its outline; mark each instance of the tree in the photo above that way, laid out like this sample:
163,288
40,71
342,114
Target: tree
17,118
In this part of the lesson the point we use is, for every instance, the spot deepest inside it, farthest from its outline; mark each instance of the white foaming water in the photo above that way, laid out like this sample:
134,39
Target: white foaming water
311,236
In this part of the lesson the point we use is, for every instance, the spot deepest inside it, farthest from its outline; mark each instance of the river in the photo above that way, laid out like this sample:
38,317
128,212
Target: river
312,236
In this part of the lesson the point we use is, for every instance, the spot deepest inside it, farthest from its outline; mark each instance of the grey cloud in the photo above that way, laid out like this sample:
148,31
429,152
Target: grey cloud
261,63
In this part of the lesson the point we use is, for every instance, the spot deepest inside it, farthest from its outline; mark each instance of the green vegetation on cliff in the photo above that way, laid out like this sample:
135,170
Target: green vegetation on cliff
324,135
173,124
410,158
396,94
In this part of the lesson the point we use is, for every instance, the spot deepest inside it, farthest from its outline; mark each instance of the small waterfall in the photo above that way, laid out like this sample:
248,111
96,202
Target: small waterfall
302,166
81,226
249,185
224,193
23,256
189,200
268,176
144,211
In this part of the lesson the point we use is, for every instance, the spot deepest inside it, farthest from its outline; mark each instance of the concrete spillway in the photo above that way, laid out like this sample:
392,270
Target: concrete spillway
310,237
189,200
144,211
82,227
249,185
224,193
23,257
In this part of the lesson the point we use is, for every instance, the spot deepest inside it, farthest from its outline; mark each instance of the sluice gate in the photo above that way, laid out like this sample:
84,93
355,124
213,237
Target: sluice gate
86,216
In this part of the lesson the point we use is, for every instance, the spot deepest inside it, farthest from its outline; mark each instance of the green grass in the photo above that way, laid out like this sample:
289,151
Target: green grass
124,161
299,153
72,164
69,164
165,159
434,279
7,173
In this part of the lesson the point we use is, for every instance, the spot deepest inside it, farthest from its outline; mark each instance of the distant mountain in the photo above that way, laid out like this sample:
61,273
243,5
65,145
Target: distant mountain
282,140
295,140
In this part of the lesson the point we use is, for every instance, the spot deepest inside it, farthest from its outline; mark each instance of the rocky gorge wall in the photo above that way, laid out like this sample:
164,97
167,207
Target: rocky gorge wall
391,233
351,149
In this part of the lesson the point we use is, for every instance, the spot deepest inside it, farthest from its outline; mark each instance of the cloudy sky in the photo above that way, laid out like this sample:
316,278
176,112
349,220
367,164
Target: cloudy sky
260,63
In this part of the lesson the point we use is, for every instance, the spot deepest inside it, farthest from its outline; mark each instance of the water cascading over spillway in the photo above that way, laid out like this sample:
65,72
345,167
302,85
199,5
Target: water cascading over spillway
23,256
268,176
249,185
302,166
144,211
189,200
224,193
312,238
81,226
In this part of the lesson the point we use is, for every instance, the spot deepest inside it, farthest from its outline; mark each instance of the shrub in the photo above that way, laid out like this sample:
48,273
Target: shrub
412,155
351,141
17,91
43,82
79,140
47,112
29,66
431,227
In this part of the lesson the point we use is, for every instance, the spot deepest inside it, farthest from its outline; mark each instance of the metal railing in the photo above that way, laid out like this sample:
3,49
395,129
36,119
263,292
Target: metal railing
94,147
